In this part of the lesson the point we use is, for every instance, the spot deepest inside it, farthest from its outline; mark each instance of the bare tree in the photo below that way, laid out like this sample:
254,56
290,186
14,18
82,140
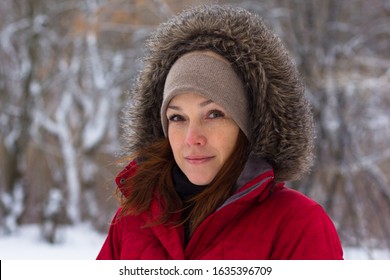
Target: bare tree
342,49
65,69
20,55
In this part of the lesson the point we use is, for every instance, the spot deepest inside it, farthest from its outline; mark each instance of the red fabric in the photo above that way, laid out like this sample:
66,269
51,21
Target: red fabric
268,222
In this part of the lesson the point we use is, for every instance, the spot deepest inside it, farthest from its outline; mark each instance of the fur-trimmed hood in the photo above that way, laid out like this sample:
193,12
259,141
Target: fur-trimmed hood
280,116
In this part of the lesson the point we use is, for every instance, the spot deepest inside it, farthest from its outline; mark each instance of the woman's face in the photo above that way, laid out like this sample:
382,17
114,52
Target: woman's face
202,136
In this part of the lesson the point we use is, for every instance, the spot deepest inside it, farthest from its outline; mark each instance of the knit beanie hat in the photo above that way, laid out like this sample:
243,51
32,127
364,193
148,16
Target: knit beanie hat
210,75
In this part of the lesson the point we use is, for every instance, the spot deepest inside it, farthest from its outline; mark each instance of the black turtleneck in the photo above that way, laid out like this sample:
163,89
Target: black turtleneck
186,190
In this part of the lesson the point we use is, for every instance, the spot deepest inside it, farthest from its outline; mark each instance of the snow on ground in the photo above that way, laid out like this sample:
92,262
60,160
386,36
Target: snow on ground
75,243
83,243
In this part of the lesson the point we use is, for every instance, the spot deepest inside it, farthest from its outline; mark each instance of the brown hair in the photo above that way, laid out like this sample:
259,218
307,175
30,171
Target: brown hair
154,176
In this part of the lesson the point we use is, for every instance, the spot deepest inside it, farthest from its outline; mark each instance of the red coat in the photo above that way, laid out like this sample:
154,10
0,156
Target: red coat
262,222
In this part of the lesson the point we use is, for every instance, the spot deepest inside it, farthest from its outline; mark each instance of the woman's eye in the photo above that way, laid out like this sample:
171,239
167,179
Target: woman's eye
175,118
215,114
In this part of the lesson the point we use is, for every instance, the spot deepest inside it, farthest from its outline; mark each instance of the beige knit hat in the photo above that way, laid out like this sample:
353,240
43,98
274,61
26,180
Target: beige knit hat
210,75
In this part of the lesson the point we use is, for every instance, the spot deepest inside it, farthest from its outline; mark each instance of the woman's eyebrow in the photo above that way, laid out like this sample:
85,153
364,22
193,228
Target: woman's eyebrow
173,107
202,104
205,103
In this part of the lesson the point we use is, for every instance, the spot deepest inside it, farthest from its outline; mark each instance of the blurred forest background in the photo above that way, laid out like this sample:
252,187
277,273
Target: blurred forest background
65,66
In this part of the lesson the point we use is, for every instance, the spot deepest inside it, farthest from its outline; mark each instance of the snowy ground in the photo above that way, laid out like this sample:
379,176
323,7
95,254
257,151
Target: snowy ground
79,242
83,243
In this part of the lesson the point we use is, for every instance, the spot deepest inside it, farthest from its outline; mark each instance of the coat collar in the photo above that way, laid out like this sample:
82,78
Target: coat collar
210,230
250,189
253,186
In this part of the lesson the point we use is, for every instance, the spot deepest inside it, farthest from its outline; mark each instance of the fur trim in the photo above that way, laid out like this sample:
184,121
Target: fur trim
281,118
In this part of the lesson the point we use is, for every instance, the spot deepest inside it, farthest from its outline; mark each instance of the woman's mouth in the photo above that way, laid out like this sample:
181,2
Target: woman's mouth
198,159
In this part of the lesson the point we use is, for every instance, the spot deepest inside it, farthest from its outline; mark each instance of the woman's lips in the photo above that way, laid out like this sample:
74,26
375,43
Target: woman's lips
198,159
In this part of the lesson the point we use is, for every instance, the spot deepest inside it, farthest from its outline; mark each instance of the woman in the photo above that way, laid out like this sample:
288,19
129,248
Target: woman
218,121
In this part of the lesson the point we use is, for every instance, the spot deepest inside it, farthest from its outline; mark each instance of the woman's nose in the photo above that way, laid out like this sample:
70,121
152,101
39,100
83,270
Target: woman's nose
195,135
